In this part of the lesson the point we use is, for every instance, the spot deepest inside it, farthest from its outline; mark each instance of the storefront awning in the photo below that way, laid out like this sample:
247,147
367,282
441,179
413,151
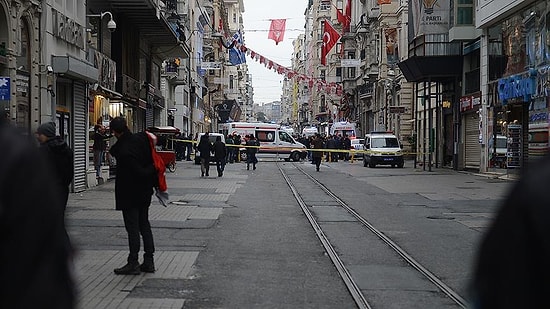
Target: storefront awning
75,68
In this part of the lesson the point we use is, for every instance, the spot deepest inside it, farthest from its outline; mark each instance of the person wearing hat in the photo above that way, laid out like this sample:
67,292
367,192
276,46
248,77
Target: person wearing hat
60,158
134,182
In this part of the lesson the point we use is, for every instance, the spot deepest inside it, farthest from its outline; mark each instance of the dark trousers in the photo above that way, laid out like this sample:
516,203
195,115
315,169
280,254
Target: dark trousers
251,158
136,222
317,162
189,150
220,166
205,166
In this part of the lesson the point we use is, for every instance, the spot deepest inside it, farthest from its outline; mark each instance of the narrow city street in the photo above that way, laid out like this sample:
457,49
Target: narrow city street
243,241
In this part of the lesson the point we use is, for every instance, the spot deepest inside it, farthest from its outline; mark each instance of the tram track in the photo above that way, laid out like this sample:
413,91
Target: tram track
343,271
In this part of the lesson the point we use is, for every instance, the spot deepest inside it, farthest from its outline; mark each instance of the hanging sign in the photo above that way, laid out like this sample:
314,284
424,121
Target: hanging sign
5,88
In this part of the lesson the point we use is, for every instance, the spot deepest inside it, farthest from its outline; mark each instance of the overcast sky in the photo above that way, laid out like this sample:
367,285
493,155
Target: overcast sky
256,18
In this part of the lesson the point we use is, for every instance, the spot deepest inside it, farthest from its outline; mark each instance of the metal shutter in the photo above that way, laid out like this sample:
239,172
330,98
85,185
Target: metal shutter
472,149
79,136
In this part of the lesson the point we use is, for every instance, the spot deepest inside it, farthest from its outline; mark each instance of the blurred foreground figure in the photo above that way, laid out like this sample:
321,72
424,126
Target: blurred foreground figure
513,266
35,252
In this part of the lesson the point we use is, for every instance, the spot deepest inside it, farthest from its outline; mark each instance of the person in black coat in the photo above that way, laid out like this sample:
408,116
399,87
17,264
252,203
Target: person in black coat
205,147
60,157
99,148
135,178
317,143
220,154
36,255
251,150
512,267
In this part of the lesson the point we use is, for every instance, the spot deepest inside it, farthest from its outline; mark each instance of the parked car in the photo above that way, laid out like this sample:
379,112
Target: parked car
357,144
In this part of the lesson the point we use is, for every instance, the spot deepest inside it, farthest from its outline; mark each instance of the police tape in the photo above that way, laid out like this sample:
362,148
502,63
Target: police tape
350,151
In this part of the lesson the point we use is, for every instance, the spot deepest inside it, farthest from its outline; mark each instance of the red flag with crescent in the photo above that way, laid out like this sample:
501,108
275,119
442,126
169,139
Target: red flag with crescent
330,37
277,30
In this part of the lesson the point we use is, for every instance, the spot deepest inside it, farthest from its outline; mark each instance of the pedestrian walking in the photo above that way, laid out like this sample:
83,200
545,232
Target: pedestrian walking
251,150
220,154
59,156
135,178
205,148
317,143
99,148
236,141
189,145
36,255
346,145
230,149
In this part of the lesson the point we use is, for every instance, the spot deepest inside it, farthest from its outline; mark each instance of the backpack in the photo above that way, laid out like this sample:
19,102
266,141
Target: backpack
158,162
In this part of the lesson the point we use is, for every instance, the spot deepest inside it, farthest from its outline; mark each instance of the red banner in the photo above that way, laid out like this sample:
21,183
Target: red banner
277,30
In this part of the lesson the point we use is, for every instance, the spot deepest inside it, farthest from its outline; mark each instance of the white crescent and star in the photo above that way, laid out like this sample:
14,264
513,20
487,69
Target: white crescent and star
328,38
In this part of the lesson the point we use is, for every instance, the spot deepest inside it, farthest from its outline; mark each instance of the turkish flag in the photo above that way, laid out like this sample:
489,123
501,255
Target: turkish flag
345,18
277,30
330,37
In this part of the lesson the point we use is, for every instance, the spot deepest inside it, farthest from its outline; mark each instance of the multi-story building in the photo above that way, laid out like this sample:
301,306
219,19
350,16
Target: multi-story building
513,66
82,63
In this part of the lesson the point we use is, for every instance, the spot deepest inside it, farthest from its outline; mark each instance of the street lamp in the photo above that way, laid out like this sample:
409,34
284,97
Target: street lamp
111,26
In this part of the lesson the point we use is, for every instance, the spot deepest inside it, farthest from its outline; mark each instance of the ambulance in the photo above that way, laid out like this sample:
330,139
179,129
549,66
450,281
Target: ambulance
274,142
342,128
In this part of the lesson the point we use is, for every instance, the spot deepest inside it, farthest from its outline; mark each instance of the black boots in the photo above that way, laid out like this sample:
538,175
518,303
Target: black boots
148,265
128,269
134,268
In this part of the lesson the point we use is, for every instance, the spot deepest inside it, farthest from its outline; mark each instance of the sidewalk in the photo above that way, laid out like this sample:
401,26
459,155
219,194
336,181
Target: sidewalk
97,231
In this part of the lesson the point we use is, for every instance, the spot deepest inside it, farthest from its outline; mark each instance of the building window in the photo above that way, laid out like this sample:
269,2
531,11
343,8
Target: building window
465,12
231,81
324,5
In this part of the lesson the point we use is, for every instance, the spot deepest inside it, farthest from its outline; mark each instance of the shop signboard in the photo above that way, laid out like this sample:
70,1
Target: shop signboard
5,88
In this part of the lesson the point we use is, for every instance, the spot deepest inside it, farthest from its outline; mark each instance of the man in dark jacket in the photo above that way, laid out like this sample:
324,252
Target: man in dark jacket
205,147
99,148
317,143
59,156
251,150
135,178
35,257
220,153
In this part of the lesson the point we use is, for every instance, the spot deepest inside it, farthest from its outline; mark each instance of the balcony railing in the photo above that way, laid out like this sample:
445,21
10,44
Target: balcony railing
434,45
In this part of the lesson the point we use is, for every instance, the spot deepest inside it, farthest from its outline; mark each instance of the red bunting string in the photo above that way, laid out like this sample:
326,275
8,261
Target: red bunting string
321,84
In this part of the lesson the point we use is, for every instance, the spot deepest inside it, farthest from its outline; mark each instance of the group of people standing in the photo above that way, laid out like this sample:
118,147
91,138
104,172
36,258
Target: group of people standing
223,153
331,143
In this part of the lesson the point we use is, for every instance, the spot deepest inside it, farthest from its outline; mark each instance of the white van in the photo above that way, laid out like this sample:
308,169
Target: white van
382,148
342,128
309,131
273,140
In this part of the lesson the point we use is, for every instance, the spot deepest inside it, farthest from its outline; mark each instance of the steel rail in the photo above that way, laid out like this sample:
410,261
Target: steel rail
342,270
407,257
